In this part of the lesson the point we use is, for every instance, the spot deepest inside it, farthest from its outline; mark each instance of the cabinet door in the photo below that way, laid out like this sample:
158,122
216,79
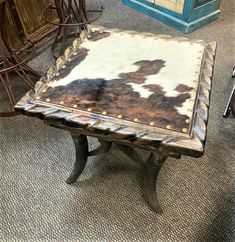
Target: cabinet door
30,13
201,2
173,5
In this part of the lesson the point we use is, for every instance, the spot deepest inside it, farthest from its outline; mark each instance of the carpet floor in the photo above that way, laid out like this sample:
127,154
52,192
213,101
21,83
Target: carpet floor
105,204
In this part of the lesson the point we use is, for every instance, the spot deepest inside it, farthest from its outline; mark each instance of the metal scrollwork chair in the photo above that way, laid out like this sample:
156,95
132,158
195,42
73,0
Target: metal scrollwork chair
72,16
11,62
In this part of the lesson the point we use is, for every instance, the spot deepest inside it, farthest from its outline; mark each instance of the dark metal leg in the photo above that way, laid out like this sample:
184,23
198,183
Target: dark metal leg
151,171
231,102
81,146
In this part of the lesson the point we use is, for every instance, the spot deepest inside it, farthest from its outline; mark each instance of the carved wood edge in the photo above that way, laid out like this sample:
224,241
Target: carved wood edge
201,111
112,129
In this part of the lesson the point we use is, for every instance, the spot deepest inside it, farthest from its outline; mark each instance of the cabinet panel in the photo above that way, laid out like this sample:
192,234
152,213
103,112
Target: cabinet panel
173,5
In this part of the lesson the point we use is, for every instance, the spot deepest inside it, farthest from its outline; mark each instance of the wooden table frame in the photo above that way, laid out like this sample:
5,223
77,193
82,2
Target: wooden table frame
126,135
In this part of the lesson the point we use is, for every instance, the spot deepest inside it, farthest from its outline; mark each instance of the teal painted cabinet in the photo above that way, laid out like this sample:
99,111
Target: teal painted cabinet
184,15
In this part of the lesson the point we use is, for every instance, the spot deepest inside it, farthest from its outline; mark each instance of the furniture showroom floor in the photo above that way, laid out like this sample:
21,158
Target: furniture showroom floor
197,195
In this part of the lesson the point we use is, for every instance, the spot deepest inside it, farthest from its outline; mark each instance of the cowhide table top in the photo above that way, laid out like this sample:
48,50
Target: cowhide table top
148,80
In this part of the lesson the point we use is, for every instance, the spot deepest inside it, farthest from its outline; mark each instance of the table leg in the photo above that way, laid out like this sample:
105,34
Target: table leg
130,152
81,146
151,170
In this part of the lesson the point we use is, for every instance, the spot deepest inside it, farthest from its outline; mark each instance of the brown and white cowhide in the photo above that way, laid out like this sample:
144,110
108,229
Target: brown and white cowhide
151,80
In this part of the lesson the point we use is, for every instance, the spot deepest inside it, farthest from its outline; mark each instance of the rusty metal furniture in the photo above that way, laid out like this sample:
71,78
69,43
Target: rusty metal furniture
72,19
11,61
124,88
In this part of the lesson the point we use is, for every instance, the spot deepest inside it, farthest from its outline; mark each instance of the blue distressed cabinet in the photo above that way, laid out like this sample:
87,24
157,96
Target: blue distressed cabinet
184,15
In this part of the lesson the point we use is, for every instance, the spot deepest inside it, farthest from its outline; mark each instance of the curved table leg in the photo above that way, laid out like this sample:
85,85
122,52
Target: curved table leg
151,170
81,146
130,152
104,147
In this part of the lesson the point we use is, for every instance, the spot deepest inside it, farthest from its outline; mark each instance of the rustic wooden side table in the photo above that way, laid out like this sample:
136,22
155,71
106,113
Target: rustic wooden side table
131,89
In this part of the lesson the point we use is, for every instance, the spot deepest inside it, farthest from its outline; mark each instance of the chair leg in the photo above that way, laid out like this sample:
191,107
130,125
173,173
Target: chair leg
230,104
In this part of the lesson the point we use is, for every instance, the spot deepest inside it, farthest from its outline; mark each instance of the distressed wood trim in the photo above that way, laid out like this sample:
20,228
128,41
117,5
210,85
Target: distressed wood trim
201,114
106,128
